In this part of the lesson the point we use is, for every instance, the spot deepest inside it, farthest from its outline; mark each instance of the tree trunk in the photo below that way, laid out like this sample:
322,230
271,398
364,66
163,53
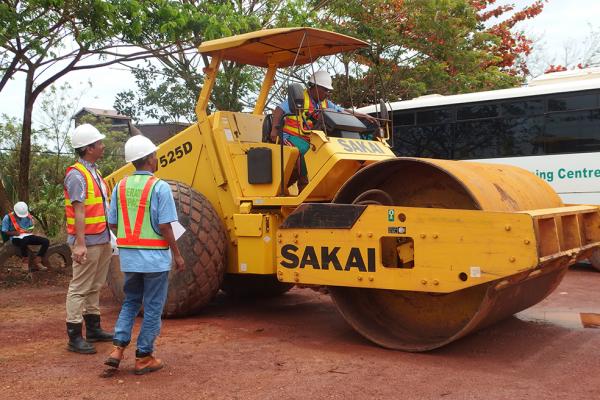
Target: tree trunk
5,204
25,154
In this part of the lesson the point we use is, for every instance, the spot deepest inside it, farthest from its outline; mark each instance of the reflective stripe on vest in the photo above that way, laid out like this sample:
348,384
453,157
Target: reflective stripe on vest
133,196
291,123
95,217
18,227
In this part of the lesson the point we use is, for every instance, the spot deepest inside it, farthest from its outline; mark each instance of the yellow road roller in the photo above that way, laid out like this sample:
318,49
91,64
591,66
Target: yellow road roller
416,253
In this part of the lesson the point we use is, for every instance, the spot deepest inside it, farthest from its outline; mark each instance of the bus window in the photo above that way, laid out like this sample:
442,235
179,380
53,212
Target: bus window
522,108
573,132
476,139
477,111
404,118
434,141
581,102
434,116
522,137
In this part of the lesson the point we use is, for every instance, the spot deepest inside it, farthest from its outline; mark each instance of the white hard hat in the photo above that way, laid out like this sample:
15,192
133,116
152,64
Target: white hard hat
321,78
85,135
137,147
21,209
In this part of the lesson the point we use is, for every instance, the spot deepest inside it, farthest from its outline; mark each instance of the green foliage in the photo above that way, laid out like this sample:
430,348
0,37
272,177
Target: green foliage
46,202
168,92
52,154
419,47
10,139
47,39
163,96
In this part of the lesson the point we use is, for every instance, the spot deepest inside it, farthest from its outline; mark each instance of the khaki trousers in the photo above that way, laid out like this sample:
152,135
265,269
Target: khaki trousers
83,296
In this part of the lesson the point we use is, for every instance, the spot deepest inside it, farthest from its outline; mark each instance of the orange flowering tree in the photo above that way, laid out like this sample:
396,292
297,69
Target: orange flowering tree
429,46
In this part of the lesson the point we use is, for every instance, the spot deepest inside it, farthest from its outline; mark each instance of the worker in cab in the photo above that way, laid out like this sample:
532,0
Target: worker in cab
296,128
18,227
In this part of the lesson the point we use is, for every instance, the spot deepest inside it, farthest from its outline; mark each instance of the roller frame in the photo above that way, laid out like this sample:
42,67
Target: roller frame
453,249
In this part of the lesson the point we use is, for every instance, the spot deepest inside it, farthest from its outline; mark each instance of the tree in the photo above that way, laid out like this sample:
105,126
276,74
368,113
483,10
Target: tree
45,40
9,139
168,88
574,54
52,155
428,46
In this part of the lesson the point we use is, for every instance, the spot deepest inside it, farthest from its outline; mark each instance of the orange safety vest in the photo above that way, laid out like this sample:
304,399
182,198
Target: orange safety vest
95,217
291,124
143,235
16,225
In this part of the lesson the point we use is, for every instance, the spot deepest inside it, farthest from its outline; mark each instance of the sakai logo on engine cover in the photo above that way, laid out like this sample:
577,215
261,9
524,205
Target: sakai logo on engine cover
325,258
360,146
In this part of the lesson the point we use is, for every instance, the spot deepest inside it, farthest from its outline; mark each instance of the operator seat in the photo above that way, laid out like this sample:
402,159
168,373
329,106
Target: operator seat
295,99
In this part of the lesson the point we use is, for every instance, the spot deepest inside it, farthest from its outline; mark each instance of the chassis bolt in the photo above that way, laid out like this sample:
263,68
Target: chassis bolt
423,282
507,228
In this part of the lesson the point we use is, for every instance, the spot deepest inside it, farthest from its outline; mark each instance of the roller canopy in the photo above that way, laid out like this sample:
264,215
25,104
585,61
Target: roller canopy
282,46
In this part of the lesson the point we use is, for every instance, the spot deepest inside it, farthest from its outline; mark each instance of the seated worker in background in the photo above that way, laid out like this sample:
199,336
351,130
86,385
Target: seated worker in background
298,135
18,226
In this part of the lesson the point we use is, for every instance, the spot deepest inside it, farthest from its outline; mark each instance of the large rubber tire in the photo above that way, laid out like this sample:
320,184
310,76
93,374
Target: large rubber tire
203,247
115,279
58,258
257,286
595,260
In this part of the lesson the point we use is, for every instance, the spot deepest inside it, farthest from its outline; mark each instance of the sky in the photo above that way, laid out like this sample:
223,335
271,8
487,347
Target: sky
563,22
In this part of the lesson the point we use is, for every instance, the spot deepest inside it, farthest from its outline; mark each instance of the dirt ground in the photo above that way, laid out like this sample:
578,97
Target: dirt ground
297,346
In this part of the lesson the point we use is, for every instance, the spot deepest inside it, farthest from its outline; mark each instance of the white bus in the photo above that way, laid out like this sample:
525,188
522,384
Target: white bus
550,127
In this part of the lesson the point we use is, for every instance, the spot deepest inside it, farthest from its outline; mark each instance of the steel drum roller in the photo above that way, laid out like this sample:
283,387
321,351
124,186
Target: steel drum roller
419,321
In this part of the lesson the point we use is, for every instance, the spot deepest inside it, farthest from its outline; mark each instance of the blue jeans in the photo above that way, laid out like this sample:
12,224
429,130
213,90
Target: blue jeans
149,289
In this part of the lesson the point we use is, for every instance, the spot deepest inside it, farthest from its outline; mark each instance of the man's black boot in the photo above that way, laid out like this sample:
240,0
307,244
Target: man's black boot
93,331
76,343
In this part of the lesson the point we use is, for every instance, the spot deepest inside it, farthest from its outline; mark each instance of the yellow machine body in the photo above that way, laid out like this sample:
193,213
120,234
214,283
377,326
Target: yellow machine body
450,249
417,252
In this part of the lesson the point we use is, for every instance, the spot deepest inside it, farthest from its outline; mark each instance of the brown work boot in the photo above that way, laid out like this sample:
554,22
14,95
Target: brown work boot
38,265
146,363
115,356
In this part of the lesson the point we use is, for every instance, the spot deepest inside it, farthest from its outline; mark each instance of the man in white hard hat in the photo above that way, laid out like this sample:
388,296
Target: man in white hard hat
141,211
297,133
18,226
86,205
